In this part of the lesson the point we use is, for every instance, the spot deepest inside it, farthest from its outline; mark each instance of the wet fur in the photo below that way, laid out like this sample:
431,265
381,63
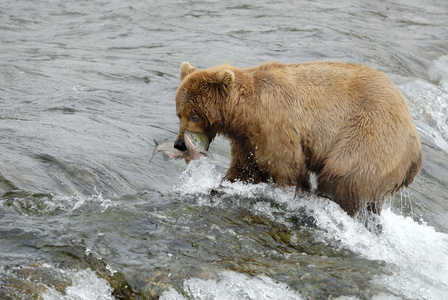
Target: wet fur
347,123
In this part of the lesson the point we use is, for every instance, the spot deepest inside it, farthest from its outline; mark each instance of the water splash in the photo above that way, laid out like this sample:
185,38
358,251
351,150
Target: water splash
96,199
199,177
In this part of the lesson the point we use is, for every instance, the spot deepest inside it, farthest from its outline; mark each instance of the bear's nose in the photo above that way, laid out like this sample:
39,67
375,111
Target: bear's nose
180,145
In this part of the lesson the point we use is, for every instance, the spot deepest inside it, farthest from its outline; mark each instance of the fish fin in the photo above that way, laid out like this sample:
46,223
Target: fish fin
207,154
166,157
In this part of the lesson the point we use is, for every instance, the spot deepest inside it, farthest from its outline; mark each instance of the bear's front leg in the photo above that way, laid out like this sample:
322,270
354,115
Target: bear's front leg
243,165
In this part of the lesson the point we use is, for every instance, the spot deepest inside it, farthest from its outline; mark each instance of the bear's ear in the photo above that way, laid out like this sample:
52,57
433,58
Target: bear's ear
186,69
225,78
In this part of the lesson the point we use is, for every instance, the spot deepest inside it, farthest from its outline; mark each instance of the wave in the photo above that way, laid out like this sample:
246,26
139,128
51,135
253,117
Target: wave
232,285
428,102
49,204
84,285
415,255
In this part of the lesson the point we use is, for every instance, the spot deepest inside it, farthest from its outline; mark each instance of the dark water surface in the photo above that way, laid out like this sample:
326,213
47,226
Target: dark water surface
85,88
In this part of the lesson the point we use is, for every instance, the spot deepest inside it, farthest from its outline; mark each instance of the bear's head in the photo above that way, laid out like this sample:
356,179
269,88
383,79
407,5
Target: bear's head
200,99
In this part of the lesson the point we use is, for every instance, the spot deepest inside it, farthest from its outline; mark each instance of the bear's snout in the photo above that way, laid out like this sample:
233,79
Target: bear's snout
180,145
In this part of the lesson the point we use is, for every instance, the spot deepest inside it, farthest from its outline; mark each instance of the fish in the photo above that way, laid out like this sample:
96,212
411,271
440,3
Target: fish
197,146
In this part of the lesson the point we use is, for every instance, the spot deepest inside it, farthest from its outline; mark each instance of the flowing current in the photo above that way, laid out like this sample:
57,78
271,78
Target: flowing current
87,86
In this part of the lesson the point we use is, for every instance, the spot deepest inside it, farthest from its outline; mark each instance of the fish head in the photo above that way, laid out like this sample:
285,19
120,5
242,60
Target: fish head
196,141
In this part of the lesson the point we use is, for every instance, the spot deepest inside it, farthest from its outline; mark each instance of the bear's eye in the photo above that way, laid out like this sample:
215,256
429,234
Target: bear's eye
194,118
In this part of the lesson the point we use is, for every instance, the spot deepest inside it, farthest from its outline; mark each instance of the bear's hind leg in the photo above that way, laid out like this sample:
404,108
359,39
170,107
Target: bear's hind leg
369,216
343,192
374,207
339,191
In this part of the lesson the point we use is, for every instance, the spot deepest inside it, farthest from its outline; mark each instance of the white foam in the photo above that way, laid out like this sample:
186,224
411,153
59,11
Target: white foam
85,286
231,285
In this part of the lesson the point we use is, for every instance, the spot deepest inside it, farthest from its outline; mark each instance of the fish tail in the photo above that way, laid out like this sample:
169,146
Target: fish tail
154,152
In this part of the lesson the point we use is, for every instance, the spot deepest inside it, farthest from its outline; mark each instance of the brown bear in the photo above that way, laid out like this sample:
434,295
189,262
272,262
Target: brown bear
347,123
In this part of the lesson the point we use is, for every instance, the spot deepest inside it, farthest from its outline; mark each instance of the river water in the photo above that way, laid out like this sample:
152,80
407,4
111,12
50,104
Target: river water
87,86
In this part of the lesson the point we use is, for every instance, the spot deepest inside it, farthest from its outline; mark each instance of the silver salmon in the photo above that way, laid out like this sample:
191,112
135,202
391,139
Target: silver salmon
197,146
